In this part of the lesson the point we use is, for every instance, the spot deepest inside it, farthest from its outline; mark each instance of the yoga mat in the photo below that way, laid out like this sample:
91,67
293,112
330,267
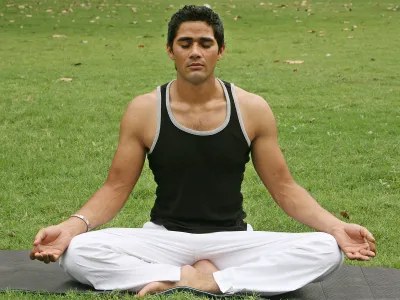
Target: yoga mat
18,272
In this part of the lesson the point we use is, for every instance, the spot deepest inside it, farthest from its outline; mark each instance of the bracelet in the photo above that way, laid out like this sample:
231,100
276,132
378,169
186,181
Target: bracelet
84,220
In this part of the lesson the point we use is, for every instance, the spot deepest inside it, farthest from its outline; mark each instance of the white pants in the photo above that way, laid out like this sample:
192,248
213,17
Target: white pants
267,263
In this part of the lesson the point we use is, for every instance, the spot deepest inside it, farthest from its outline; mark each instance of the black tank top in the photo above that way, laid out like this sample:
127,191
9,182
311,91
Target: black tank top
199,173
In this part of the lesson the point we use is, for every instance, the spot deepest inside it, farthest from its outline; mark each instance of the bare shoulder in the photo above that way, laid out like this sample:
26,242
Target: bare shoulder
252,103
256,112
140,117
142,105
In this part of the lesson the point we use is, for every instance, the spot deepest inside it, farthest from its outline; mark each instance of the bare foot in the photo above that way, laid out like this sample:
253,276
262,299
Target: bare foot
155,287
205,266
190,277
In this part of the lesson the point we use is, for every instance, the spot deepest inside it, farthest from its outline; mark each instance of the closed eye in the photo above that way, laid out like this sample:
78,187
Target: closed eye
202,45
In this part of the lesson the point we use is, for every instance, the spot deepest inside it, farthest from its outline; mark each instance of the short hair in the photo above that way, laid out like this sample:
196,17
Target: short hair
192,13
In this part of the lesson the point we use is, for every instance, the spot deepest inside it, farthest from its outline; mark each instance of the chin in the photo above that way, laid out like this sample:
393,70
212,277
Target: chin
196,79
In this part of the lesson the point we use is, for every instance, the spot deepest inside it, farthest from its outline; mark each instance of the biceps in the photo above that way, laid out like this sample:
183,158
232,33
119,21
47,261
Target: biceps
270,164
127,164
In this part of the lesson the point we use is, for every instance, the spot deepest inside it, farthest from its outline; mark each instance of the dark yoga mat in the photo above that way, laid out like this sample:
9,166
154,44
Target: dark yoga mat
18,272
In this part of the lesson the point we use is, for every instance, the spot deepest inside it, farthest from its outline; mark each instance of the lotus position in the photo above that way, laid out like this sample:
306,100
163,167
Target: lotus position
198,133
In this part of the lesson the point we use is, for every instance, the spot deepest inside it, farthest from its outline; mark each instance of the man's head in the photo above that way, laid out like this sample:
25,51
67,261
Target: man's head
195,42
192,13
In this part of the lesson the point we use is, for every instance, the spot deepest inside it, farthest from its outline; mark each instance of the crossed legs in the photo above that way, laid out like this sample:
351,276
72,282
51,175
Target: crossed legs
149,260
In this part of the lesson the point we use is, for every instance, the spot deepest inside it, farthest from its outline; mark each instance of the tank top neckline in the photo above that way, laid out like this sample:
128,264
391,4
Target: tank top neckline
197,132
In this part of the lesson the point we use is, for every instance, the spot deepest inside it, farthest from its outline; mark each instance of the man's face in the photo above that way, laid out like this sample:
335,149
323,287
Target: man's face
195,51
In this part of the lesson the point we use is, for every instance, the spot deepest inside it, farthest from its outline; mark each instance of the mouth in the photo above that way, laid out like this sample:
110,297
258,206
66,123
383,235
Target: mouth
196,66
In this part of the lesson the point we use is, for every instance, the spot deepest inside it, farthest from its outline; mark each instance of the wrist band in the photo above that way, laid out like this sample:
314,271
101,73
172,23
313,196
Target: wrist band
84,220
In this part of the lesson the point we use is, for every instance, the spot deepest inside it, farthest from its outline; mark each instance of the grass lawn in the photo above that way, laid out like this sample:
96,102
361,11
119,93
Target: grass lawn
338,113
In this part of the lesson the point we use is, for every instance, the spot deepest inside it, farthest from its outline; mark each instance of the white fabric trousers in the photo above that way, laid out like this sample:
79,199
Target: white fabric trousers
267,263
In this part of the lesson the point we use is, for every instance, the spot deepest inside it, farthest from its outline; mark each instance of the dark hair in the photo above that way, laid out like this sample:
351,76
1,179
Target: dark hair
196,13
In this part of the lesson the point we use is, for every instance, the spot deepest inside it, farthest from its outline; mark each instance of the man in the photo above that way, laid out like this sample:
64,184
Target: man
198,132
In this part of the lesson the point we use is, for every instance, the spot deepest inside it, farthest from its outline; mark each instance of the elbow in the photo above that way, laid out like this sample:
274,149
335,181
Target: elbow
118,189
285,194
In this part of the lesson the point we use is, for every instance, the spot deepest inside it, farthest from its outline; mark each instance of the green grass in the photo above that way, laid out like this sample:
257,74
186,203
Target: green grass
112,296
338,116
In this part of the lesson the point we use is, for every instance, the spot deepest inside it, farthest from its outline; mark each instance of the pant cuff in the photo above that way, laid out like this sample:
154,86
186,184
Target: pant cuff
224,283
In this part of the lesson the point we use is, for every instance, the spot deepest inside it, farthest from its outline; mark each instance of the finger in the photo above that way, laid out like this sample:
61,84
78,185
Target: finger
46,258
372,247
42,256
350,255
53,257
366,234
32,255
41,235
367,253
357,256
39,256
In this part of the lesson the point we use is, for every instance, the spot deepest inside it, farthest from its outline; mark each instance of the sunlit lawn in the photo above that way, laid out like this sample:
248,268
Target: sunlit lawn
338,112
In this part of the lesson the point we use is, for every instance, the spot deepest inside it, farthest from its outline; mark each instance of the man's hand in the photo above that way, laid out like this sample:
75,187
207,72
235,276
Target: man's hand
355,241
50,243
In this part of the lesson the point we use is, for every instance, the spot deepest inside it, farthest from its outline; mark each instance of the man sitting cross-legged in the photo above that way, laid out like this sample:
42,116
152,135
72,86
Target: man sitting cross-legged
198,133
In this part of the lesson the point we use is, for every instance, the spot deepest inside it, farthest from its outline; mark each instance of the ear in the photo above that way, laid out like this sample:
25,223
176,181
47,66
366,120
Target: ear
170,52
221,52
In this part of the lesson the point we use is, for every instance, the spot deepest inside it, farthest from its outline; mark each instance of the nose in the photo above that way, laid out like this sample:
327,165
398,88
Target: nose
195,51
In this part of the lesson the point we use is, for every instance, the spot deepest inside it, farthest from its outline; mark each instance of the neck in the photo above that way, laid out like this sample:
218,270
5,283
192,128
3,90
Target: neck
192,93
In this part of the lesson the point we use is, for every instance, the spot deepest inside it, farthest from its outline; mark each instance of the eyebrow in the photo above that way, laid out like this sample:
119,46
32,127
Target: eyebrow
189,39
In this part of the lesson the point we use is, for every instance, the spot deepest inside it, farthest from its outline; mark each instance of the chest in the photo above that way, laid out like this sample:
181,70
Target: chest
199,118
180,151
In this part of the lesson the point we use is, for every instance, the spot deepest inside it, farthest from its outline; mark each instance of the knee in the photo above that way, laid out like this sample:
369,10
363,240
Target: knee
328,250
73,259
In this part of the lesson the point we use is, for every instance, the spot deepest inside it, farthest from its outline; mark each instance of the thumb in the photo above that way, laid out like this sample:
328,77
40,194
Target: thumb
41,235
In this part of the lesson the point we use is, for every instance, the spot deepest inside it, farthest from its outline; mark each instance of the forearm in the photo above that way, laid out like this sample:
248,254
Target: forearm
100,208
299,204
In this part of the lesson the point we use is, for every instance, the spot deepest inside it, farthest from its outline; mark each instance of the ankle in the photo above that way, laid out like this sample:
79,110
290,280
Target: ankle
205,266
209,283
193,278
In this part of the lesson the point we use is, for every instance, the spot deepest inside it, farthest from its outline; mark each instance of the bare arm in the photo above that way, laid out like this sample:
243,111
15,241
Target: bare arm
271,167
125,170
355,241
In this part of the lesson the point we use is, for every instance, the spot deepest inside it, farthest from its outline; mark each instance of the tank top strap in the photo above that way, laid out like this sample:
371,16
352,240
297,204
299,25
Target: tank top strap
236,116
